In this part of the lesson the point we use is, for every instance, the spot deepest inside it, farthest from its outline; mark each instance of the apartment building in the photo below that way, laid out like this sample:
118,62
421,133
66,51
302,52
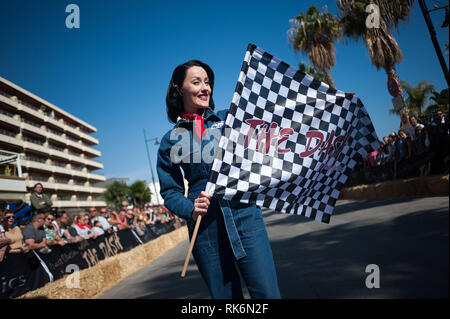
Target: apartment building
57,149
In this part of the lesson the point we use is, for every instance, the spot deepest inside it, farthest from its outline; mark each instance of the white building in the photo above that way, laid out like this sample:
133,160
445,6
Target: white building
56,148
154,200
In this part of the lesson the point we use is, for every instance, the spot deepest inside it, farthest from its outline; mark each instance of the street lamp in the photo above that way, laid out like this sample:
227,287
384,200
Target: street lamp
426,15
150,163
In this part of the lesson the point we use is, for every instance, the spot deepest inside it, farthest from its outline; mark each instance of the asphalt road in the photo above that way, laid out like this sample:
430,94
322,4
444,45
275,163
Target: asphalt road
406,238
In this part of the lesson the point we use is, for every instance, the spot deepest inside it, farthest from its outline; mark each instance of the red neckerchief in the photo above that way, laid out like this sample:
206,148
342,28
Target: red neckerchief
82,227
198,123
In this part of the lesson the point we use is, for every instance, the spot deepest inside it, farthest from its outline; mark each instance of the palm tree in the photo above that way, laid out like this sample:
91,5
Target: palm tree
115,194
139,193
313,71
417,97
314,33
384,50
441,102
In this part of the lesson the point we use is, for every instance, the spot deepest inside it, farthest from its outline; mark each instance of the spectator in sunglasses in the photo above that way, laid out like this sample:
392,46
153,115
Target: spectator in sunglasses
17,244
51,232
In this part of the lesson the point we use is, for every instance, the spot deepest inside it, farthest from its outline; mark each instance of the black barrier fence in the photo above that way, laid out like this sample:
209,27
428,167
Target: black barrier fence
20,273
417,166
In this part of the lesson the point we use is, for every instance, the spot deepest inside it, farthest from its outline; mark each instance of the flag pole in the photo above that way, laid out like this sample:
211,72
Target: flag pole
194,236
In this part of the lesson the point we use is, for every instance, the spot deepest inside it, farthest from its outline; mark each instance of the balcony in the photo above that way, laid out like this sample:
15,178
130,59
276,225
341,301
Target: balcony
62,154
78,203
35,147
8,118
55,137
47,167
37,165
34,111
96,177
68,128
93,151
70,142
53,121
10,138
52,168
6,98
32,127
77,132
61,186
92,163
31,111
95,190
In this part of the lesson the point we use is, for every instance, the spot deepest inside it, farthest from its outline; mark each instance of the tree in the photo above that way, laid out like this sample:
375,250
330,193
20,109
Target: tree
116,193
139,193
314,32
313,71
416,97
441,102
383,49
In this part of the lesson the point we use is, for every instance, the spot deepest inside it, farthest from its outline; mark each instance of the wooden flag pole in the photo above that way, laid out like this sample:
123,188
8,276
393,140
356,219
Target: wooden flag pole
194,236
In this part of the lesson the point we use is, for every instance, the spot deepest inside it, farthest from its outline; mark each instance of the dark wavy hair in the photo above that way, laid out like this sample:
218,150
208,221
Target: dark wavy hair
174,100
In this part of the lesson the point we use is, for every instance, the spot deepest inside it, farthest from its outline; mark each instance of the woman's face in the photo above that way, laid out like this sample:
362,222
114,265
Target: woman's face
84,220
10,219
402,135
196,91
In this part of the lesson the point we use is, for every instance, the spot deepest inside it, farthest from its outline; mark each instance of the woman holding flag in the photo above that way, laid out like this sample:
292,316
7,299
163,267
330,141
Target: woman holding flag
232,237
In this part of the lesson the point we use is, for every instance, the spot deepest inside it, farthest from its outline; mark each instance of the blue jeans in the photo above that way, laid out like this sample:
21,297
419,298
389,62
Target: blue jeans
220,269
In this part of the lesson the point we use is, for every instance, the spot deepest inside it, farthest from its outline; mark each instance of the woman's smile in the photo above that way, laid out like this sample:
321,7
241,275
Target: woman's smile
196,90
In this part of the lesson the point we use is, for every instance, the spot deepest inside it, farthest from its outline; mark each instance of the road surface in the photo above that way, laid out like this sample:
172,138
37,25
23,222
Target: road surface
406,238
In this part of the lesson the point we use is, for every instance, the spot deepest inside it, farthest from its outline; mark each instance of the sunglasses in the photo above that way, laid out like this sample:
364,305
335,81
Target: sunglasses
9,217
50,219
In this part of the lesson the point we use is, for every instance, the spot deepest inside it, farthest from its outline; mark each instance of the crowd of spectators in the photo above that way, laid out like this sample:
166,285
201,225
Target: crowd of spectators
48,227
417,137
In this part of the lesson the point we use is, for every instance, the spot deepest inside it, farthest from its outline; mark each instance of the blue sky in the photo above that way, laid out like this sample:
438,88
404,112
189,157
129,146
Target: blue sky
113,72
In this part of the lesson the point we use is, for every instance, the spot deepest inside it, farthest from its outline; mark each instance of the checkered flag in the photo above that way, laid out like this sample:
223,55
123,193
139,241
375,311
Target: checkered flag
289,141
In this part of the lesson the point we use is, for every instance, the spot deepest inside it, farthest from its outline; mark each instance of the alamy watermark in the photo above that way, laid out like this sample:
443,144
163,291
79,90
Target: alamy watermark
373,279
73,19
73,280
373,19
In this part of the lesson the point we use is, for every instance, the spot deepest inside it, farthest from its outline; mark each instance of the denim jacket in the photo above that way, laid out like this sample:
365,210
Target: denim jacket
239,218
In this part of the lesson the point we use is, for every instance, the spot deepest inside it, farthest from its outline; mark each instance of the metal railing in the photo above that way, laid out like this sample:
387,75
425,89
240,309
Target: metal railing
6,113
59,197
37,178
31,123
56,148
5,94
32,140
59,164
54,132
35,159
9,133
